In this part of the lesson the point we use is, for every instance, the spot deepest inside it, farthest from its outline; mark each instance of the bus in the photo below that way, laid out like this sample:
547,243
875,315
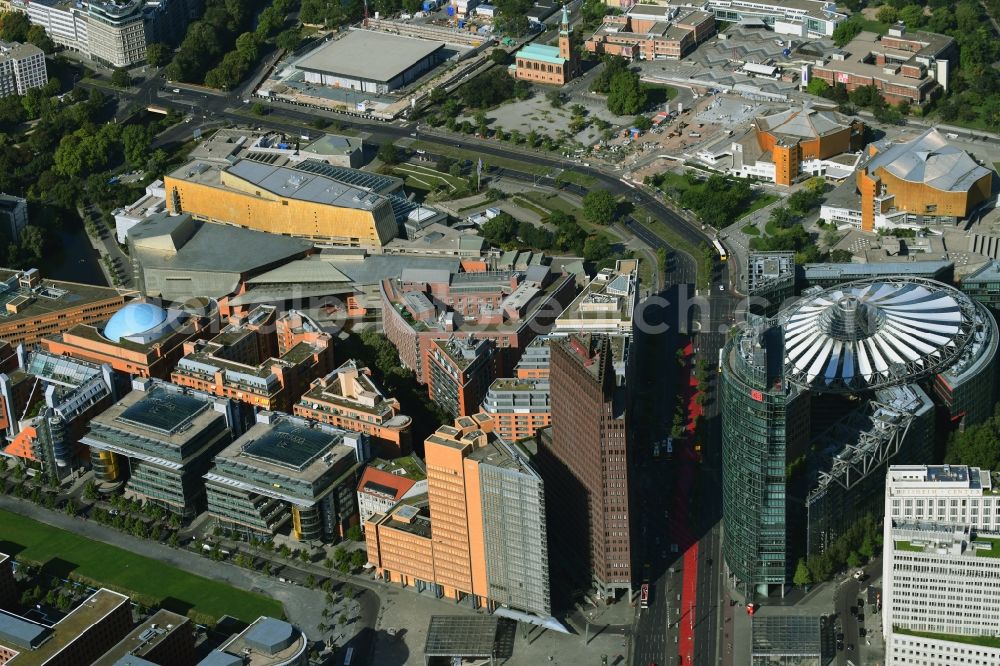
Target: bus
721,250
721,357
644,596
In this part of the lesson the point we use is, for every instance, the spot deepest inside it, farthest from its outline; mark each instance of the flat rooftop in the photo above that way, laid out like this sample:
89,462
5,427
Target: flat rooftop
368,55
97,606
144,638
161,423
609,297
288,447
860,48
49,297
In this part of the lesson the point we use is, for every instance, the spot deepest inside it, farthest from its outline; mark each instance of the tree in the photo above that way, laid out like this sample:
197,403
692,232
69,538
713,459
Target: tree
498,56
977,445
887,14
512,16
612,66
592,13
912,16
500,230
801,577
157,54
626,95
555,98
120,78
492,88
817,86
258,109
289,40
14,26
136,143
37,36
596,248
388,153
600,207
642,123
846,31
358,559
354,533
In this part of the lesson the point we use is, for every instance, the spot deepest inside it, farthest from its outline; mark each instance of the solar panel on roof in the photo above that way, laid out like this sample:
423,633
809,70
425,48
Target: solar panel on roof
290,446
163,411
370,181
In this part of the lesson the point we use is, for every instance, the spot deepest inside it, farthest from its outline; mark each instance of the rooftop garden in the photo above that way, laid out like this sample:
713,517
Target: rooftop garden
984,641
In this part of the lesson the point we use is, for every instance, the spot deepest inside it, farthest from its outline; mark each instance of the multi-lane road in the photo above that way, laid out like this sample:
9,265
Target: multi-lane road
656,629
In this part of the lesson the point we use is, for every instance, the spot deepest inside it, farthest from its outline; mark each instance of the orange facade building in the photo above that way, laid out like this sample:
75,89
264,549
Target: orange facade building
145,349
480,534
34,308
260,359
521,405
921,181
548,64
797,135
348,398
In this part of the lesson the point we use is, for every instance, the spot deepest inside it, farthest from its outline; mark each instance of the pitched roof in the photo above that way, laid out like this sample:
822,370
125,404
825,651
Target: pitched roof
804,123
379,482
541,53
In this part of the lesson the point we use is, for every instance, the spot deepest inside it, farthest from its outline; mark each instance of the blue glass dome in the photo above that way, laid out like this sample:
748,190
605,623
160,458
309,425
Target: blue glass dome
133,319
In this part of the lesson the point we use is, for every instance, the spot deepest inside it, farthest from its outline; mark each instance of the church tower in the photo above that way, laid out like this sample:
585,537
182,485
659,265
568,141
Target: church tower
565,49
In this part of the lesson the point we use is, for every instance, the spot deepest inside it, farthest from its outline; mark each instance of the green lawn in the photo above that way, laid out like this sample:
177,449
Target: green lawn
992,551
426,178
984,641
760,201
909,547
518,200
150,582
751,230
577,178
552,202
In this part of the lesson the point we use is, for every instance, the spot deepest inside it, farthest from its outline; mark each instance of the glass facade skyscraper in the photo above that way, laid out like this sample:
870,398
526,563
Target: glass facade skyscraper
765,426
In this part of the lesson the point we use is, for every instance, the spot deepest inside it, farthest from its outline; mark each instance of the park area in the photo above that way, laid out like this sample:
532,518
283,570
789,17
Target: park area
149,582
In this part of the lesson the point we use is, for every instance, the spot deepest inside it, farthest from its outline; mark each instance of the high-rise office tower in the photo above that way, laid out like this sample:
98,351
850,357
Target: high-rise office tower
585,460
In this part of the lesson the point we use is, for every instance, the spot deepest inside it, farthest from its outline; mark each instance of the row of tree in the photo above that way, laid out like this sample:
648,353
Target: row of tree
219,49
15,27
717,200
859,543
626,95
505,231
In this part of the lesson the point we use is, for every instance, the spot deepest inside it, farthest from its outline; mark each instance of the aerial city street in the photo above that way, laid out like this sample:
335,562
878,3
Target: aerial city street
441,332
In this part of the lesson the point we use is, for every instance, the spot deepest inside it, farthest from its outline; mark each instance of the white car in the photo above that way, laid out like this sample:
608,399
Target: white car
722,287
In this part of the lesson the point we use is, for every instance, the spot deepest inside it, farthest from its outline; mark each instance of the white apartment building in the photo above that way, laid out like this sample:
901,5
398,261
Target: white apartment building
941,567
65,21
117,32
802,18
945,494
112,32
22,67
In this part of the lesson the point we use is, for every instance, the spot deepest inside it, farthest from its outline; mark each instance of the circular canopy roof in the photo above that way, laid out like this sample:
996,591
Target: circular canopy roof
874,333
133,319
